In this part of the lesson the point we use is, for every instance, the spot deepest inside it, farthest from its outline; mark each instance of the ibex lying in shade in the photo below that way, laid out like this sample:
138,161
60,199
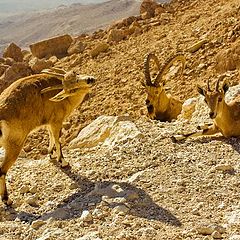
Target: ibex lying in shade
160,105
34,101
226,116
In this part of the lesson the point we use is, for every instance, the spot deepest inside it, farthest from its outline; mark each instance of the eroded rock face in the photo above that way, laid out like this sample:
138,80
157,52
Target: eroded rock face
56,46
14,52
229,59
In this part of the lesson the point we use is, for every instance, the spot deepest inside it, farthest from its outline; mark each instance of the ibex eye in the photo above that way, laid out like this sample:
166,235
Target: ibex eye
220,99
147,101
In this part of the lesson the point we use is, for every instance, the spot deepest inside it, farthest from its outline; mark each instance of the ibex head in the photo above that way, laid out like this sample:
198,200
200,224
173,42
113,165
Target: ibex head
157,100
72,83
214,97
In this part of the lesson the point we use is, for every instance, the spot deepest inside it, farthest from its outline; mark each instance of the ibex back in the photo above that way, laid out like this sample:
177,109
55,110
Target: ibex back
30,103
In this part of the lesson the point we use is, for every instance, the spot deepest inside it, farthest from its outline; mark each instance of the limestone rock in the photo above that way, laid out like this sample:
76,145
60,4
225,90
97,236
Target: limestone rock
56,46
121,133
77,46
148,8
14,72
109,130
14,52
90,236
37,65
235,237
86,216
115,35
100,47
188,108
94,133
229,59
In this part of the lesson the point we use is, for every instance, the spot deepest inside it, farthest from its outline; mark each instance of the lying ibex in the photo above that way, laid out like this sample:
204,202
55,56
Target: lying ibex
226,116
34,101
160,105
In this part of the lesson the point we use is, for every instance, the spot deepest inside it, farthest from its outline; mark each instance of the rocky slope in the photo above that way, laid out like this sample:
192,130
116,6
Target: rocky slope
146,187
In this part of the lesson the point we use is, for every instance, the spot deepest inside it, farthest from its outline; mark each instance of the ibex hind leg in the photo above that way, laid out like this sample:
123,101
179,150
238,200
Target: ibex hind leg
12,151
56,132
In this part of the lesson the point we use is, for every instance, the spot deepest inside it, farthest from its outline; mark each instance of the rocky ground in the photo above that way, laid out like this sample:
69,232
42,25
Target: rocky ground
148,186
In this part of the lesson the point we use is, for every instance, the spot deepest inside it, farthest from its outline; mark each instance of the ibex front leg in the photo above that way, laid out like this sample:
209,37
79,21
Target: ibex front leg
12,151
208,131
55,133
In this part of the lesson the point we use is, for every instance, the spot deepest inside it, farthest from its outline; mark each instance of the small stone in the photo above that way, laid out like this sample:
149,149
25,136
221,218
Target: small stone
32,201
216,235
73,186
98,213
37,224
86,216
235,237
33,190
131,196
224,167
121,209
205,230
24,189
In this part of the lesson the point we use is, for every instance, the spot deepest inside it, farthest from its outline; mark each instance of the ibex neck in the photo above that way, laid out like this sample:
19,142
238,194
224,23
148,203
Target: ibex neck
163,101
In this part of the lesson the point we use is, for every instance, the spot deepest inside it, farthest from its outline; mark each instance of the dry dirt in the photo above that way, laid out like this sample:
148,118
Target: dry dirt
148,187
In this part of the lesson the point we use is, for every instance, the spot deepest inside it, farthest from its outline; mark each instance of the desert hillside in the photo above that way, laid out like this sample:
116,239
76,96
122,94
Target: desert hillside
128,179
74,19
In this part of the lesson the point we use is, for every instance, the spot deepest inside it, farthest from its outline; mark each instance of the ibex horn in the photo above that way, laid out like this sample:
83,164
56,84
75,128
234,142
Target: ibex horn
217,84
168,63
147,68
208,86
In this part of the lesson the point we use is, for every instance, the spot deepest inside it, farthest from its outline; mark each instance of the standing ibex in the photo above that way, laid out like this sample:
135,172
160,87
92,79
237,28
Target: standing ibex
34,101
226,116
160,105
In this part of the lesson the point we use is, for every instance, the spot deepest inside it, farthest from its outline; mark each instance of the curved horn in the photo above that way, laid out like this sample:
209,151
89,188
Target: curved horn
208,86
58,70
57,87
49,72
217,85
168,63
146,67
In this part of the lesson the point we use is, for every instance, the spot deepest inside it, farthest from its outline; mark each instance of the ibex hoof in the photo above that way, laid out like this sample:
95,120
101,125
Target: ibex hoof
8,202
64,163
177,138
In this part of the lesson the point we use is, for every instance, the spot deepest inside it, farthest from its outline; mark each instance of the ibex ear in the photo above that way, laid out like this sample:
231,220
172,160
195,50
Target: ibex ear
201,90
225,87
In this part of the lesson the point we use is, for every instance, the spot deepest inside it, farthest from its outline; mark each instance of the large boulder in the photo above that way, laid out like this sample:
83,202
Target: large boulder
107,130
57,46
14,52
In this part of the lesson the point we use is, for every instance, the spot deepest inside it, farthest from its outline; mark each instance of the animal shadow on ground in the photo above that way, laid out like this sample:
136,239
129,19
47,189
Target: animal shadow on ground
89,194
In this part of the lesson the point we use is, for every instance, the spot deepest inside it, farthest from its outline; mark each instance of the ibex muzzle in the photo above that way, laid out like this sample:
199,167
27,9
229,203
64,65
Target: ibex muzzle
42,99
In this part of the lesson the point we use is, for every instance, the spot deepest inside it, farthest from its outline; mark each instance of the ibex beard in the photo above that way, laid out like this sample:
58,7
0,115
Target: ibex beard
25,106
